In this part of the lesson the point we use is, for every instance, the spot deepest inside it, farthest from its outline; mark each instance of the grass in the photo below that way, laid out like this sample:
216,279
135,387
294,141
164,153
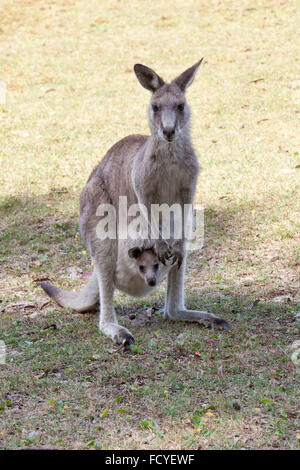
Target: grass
71,94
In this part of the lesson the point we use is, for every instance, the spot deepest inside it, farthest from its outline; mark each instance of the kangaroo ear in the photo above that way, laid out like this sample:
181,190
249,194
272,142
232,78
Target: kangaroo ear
148,78
134,252
186,78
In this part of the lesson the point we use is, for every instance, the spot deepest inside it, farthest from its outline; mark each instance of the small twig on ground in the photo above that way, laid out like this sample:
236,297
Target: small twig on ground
44,304
257,80
286,354
19,304
121,348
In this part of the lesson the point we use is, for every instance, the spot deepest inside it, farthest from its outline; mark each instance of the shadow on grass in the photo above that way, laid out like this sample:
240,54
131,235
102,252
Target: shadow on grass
40,234
177,368
60,367
30,220
32,226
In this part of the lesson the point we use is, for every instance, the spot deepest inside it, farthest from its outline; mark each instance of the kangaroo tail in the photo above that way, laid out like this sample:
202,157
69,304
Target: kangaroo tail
84,300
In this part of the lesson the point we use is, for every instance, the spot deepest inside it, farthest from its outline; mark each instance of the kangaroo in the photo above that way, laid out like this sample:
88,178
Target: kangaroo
141,273
158,169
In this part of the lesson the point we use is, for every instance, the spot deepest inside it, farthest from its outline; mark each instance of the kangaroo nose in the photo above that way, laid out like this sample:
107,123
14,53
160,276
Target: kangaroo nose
169,132
151,282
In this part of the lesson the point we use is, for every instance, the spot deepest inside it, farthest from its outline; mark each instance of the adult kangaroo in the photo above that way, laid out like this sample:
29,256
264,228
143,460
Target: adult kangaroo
156,169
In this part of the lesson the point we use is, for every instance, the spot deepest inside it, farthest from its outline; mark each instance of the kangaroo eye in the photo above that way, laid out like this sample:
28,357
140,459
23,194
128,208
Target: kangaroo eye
142,269
156,266
155,108
180,107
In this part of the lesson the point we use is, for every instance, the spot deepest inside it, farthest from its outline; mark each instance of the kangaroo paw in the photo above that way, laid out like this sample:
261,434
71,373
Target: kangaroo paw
162,250
124,337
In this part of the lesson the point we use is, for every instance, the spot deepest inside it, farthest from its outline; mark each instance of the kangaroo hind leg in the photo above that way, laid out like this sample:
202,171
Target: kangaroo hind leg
108,323
174,305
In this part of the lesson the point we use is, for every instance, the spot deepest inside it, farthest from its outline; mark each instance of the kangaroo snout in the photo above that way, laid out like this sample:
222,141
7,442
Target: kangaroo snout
169,133
151,281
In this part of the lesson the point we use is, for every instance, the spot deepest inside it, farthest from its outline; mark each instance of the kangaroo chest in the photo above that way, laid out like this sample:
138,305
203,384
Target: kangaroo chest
165,181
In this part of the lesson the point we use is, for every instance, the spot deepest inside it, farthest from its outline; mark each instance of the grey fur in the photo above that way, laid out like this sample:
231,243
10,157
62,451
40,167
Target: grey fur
155,169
